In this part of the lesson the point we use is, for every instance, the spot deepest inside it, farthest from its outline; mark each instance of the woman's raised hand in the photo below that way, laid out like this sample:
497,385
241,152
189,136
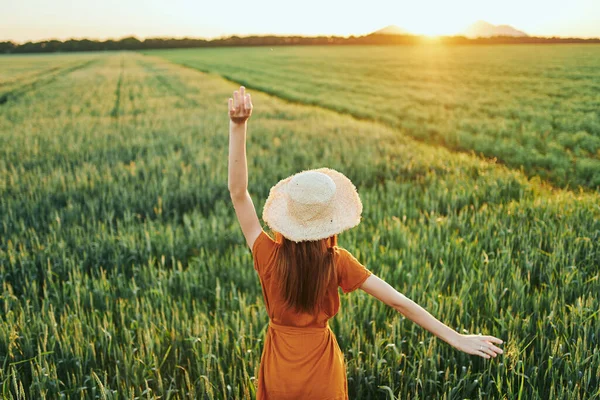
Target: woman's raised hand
479,345
240,106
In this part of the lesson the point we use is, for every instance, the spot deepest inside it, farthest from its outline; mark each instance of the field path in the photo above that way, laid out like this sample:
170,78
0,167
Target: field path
40,80
115,110
169,82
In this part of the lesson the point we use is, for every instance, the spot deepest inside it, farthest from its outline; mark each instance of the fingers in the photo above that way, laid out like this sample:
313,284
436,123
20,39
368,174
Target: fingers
492,339
245,101
489,352
236,100
481,354
488,349
248,102
495,348
483,346
241,104
239,99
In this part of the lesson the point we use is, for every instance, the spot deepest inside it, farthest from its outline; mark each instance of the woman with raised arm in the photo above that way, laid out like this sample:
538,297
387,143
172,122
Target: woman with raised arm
301,269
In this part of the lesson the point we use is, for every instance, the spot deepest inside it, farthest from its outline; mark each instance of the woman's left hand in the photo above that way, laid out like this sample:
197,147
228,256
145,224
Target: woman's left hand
240,106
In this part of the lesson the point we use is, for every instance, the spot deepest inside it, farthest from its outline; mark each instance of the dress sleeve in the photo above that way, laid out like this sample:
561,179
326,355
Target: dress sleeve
262,251
351,273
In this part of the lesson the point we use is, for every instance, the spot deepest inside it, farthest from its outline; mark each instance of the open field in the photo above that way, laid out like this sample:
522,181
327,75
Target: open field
22,74
536,107
125,274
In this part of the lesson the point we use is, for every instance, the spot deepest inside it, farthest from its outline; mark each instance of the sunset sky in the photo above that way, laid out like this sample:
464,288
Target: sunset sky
34,20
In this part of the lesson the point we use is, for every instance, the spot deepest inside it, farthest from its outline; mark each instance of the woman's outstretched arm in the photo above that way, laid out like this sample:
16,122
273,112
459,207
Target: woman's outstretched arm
240,109
472,344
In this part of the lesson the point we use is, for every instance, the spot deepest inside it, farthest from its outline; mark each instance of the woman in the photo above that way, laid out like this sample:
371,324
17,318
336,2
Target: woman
301,270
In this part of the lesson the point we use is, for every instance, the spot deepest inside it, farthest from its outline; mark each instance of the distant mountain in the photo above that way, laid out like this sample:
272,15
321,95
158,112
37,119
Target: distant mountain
485,29
392,30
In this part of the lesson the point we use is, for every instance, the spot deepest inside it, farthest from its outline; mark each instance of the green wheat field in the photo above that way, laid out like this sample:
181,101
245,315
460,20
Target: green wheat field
125,274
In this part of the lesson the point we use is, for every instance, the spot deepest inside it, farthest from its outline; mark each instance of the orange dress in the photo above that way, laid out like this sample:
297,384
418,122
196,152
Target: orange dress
301,357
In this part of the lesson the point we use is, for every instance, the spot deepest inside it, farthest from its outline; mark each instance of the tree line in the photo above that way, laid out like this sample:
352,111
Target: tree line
132,43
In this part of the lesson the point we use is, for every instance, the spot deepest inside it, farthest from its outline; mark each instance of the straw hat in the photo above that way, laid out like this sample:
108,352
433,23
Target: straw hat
312,205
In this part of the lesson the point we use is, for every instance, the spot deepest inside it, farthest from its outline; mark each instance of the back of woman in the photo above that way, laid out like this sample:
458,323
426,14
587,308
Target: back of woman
318,369
349,275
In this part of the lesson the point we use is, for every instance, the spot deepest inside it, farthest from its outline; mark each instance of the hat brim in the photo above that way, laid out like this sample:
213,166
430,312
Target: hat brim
344,214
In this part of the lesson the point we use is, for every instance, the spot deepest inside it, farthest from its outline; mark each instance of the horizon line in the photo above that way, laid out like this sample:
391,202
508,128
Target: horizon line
143,38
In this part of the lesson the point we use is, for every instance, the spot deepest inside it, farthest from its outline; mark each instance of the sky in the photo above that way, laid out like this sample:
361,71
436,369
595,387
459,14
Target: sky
33,20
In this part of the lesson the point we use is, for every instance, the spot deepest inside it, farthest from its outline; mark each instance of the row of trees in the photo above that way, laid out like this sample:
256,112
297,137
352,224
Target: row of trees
132,43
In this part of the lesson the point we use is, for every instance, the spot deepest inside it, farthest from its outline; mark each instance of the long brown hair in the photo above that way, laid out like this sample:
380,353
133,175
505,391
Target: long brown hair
305,270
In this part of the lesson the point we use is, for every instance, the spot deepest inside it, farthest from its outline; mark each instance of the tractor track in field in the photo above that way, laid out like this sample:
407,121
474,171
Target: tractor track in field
35,75
45,80
115,111
164,82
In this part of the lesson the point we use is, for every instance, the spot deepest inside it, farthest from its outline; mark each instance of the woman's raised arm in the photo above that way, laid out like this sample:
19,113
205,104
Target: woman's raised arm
240,109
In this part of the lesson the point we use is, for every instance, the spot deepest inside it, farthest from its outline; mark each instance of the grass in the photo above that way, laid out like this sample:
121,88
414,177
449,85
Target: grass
125,275
531,107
